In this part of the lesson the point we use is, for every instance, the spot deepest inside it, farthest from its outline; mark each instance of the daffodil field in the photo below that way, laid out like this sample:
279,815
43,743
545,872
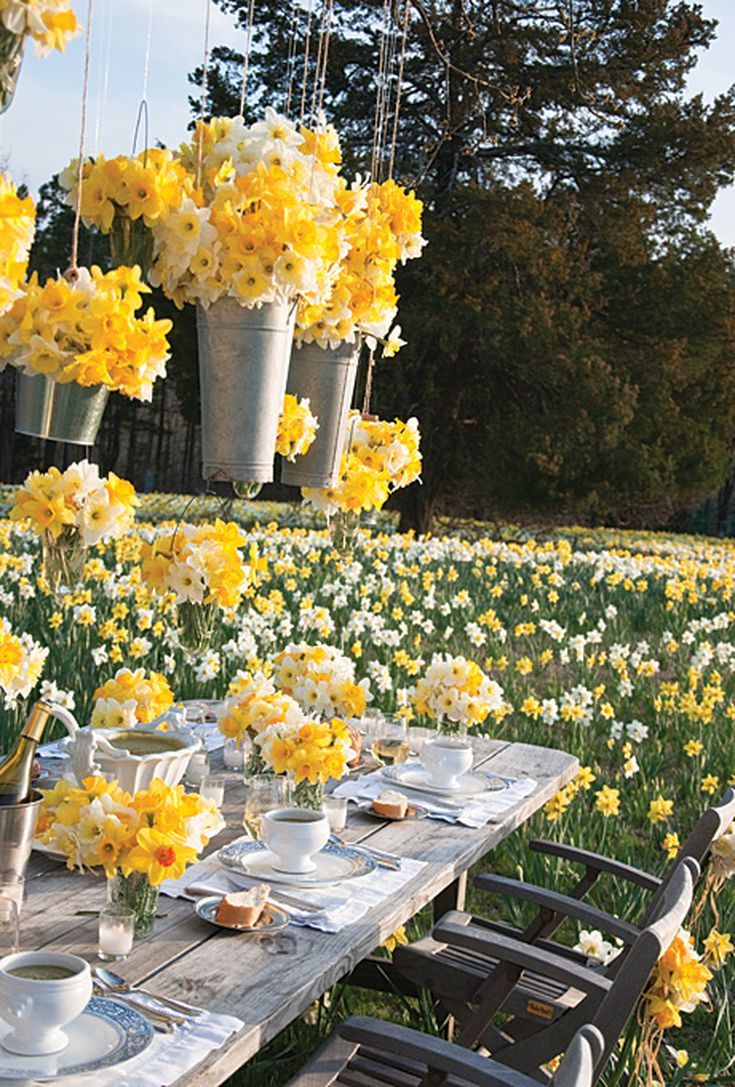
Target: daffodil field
618,647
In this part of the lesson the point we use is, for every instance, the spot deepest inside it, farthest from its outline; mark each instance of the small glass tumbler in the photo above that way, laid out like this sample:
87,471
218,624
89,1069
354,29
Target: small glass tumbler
233,754
213,788
12,888
335,808
116,930
196,771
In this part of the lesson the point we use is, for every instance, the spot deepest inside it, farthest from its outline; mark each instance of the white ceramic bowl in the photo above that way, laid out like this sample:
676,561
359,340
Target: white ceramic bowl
446,759
37,1009
294,835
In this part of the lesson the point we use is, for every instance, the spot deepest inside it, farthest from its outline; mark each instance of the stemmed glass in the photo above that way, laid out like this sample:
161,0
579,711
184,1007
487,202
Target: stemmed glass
263,793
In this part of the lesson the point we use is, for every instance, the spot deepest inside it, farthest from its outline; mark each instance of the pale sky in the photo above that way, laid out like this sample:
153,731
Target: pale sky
39,134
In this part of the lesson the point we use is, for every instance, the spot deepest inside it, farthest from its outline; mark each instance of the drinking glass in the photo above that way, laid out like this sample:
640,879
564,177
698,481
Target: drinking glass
389,744
416,737
233,754
213,788
116,931
12,889
197,768
263,793
336,811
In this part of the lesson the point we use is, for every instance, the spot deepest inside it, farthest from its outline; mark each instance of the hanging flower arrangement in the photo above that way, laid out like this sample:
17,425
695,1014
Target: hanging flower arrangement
297,428
262,223
17,227
87,331
51,24
382,229
321,679
21,663
72,511
131,698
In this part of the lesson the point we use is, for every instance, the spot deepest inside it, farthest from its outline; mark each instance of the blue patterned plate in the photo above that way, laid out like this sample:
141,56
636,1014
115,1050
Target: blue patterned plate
105,1034
412,775
334,864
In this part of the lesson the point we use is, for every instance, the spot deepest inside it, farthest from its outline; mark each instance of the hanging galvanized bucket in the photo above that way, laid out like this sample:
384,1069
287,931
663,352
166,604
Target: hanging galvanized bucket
63,413
243,365
327,376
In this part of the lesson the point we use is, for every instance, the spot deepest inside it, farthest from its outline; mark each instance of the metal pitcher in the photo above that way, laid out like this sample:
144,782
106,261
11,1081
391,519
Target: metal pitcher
327,376
63,413
243,365
17,827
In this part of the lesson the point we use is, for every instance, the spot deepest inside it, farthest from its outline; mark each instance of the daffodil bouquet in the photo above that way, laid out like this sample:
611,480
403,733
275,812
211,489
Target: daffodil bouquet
125,196
21,663
139,841
17,227
71,511
321,679
382,228
457,693
130,698
309,752
262,223
87,331
297,427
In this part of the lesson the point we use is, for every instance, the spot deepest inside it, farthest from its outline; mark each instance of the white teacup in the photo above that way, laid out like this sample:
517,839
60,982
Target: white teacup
37,1007
446,758
294,835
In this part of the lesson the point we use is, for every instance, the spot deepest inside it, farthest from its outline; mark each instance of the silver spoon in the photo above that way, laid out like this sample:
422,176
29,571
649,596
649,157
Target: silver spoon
118,984
159,1020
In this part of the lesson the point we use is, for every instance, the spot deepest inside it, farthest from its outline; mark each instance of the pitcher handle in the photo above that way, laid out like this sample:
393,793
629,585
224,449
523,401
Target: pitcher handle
66,717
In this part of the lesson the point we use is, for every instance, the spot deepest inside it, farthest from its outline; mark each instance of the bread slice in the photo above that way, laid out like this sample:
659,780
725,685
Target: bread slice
391,804
243,908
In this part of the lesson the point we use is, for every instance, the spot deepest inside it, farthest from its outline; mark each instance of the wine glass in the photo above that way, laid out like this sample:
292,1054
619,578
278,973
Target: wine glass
263,793
389,743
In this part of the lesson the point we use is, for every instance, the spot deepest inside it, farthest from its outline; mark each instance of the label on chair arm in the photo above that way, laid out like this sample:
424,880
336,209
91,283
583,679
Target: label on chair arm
542,1011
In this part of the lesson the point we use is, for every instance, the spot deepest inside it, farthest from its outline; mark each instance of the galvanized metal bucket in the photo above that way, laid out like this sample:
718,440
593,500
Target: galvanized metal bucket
327,376
243,365
63,413
17,827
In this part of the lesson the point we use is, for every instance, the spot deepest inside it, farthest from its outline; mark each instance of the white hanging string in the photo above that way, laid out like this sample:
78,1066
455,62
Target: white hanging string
142,115
399,88
147,61
319,54
82,135
103,77
323,81
203,98
291,61
307,46
246,58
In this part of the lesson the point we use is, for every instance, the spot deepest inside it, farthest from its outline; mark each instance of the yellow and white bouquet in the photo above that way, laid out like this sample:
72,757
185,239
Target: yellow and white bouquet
21,663
382,228
723,856
308,751
87,331
321,679
297,428
17,227
77,502
252,705
381,457
51,23
262,223
457,690
130,698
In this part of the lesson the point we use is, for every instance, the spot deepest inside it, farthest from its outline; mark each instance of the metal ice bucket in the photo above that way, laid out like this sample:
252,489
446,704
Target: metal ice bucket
17,827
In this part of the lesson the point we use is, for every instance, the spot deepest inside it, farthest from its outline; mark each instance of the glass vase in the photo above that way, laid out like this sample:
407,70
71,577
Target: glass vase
134,892
195,623
11,58
344,526
308,795
63,561
131,243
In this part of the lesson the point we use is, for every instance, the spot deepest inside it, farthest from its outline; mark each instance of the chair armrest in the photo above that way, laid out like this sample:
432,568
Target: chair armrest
597,862
412,1045
558,904
526,956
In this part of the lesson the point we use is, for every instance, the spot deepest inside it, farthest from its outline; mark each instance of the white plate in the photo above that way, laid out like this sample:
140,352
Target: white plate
412,775
105,1034
271,919
334,864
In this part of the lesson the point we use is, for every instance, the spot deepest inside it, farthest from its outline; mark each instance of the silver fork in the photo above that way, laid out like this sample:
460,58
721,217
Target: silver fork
159,1020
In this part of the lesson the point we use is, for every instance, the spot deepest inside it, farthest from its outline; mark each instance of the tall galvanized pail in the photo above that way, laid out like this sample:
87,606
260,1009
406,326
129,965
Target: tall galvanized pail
243,365
63,413
327,376
17,827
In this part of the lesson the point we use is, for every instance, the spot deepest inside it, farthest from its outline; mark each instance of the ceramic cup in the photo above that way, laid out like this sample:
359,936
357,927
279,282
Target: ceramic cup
446,758
37,1008
294,835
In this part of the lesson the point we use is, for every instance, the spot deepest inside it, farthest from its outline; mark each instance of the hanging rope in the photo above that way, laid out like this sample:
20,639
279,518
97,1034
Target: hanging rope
323,81
103,79
399,88
322,49
203,97
143,113
291,61
82,134
379,121
246,58
307,46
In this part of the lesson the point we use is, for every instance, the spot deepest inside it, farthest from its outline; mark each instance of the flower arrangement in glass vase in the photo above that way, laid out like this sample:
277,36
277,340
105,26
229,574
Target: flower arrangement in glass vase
21,663
85,330
125,196
51,24
321,679
72,511
457,694
252,705
381,458
139,841
205,569
131,698
17,227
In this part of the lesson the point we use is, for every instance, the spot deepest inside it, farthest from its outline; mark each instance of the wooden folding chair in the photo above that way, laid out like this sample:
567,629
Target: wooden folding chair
459,978
371,1053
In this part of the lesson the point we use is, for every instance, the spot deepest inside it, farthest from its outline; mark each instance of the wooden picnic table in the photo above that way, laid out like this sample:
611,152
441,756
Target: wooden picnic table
231,974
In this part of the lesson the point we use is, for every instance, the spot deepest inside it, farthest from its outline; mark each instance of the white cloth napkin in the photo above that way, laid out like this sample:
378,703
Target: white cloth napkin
341,904
168,1057
474,812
